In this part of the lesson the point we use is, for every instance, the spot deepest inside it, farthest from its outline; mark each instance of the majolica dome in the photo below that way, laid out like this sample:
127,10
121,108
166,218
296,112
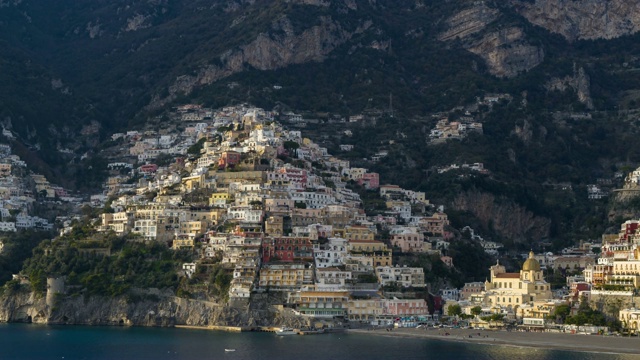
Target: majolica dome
531,263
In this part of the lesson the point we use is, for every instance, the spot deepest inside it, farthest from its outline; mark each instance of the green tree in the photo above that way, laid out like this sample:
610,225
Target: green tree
561,312
197,147
454,310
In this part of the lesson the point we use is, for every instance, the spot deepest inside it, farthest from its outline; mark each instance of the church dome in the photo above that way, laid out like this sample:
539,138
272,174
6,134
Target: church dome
531,263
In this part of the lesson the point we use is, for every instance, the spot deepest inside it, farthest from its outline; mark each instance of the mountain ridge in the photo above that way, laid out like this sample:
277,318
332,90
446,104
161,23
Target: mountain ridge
101,67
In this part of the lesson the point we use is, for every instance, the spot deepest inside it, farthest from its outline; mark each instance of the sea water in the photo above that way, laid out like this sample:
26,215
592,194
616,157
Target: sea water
22,341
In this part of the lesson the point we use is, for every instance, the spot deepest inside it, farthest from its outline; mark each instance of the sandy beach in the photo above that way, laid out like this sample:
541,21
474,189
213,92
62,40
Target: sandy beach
561,341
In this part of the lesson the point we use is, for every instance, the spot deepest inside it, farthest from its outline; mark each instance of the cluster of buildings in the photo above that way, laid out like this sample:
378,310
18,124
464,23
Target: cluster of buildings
523,297
477,167
615,278
609,281
448,130
17,194
276,210
280,214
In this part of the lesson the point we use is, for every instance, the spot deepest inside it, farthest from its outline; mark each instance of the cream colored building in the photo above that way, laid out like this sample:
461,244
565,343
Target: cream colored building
404,276
630,319
511,290
322,304
364,310
193,227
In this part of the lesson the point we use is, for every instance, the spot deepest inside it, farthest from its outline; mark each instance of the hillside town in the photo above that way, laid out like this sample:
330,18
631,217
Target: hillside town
281,214
17,195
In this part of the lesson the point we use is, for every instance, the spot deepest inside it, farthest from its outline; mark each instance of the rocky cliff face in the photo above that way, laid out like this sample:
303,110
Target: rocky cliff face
269,51
506,218
585,19
166,311
506,52
579,82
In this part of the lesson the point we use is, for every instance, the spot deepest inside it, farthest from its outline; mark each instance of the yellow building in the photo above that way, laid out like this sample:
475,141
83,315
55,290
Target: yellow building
511,290
182,242
378,251
285,276
193,227
356,232
193,182
219,199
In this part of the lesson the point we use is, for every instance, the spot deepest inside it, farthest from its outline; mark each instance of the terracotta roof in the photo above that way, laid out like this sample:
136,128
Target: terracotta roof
508,276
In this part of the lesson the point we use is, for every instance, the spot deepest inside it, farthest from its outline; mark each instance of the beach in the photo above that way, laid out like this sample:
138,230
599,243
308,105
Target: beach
559,341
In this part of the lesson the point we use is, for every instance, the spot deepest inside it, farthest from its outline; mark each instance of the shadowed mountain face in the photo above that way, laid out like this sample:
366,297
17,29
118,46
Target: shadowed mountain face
72,72
69,63
111,59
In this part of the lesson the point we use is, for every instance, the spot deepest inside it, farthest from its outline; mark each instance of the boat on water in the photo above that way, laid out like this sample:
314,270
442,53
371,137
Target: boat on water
229,350
286,331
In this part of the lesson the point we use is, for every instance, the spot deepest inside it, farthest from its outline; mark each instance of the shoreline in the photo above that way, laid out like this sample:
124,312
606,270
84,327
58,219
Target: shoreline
552,341
555,341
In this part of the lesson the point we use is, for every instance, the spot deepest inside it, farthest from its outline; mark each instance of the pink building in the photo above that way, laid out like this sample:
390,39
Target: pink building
297,177
287,249
60,192
370,180
148,168
577,288
447,260
408,241
404,307
470,289
228,159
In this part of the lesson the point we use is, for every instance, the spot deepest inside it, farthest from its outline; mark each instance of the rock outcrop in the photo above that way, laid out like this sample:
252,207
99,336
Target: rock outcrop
585,19
269,51
579,82
506,52
506,218
469,21
161,310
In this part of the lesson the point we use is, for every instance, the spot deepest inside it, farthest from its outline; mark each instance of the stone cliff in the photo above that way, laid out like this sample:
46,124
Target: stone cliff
506,218
585,19
162,310
579,82
268,51
505,51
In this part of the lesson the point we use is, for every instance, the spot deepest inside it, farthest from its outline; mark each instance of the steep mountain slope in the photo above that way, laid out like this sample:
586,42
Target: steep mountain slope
128,55
591,19
75,71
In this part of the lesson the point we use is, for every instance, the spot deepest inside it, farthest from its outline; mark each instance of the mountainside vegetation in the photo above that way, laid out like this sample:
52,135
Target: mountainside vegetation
74,72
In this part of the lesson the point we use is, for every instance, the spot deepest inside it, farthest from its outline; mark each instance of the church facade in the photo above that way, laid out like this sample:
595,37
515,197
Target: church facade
511,290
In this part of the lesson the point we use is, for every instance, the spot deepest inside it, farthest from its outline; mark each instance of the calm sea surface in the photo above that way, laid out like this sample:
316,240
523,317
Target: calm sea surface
19,341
